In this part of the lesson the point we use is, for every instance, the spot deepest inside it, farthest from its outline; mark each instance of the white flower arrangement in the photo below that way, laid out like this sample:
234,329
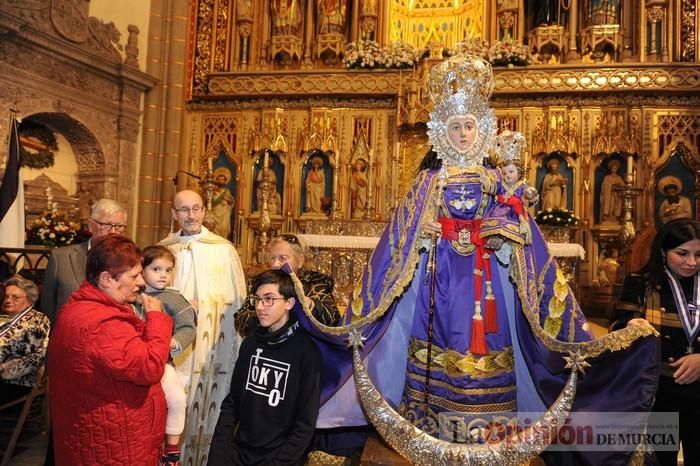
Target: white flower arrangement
52,229
557,217
507,52
370,55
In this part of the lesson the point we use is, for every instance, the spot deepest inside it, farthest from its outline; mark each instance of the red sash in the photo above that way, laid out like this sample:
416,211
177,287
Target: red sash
468,231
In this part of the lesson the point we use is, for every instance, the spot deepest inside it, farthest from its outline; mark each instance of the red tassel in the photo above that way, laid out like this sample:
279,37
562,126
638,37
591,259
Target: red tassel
478,342
490,317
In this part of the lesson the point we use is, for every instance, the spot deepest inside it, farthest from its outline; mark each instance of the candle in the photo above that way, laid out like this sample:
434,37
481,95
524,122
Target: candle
630,164
266,161
210,163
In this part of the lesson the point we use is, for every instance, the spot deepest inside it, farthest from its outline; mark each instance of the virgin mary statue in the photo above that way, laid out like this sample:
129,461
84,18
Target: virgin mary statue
453,328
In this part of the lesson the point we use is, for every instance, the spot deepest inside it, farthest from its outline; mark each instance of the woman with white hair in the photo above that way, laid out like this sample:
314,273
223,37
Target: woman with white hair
288,249
24,335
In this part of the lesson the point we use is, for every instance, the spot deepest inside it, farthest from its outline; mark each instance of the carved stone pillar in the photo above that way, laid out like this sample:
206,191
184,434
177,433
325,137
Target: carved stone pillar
368,19
655,25
161,153
244,25
631,34
308,33
572,52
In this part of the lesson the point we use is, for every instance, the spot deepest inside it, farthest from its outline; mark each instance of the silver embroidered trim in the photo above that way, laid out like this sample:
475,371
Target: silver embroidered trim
422,449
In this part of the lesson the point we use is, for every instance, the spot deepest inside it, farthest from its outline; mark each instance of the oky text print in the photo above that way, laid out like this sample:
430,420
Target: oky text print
267,377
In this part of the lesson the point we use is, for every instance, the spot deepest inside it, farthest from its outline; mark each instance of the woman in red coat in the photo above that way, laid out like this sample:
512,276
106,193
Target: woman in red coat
105,365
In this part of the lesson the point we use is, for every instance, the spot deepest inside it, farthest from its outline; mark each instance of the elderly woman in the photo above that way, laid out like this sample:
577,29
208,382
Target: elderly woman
288,249
23,338
107,404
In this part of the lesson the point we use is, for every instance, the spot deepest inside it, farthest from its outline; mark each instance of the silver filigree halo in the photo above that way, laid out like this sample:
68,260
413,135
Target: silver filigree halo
460,86
510,146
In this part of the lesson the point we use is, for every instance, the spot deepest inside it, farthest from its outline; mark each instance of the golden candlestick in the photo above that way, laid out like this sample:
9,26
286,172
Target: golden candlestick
628,193
208,186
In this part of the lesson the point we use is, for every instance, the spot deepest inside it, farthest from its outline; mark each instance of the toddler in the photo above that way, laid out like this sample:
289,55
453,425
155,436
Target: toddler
158,263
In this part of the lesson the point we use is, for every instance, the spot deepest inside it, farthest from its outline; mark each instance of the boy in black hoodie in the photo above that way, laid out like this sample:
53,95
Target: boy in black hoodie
269,415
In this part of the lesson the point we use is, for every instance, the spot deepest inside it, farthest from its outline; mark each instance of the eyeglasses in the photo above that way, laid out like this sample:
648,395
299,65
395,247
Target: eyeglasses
15,297
187,210
104,226
291,239
267,301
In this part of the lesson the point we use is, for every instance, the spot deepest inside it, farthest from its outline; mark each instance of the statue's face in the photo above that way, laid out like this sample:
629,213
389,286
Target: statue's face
671,191
462,132
510,173
554,166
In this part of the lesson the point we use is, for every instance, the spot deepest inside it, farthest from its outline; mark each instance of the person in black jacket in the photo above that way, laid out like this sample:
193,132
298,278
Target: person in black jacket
667,294
269,415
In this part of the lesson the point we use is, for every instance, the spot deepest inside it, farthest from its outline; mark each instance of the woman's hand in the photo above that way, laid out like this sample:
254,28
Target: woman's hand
149,303
687,369
431,230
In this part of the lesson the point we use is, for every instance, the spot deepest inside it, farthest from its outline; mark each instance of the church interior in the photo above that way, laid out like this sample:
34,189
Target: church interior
310,117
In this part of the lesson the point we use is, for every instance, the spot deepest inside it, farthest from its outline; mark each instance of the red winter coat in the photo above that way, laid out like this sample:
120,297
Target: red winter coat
105,366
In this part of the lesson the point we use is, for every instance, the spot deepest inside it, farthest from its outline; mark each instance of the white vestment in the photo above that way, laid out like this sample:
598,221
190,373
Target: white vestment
208,272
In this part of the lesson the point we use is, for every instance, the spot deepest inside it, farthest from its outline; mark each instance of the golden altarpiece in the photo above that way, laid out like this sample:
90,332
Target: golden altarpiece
306,144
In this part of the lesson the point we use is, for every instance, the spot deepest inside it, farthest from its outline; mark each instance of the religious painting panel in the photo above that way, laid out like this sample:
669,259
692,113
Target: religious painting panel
268,175
554,181
317,182
607,204
223,199
674,184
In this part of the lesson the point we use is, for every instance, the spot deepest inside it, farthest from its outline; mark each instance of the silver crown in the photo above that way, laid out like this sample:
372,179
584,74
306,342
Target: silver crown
463,71
510,146
459,86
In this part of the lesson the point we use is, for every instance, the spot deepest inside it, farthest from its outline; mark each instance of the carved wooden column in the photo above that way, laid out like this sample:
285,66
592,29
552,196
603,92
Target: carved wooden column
656,23
572,52
309,29
631,34
244,24
371,188
368,19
